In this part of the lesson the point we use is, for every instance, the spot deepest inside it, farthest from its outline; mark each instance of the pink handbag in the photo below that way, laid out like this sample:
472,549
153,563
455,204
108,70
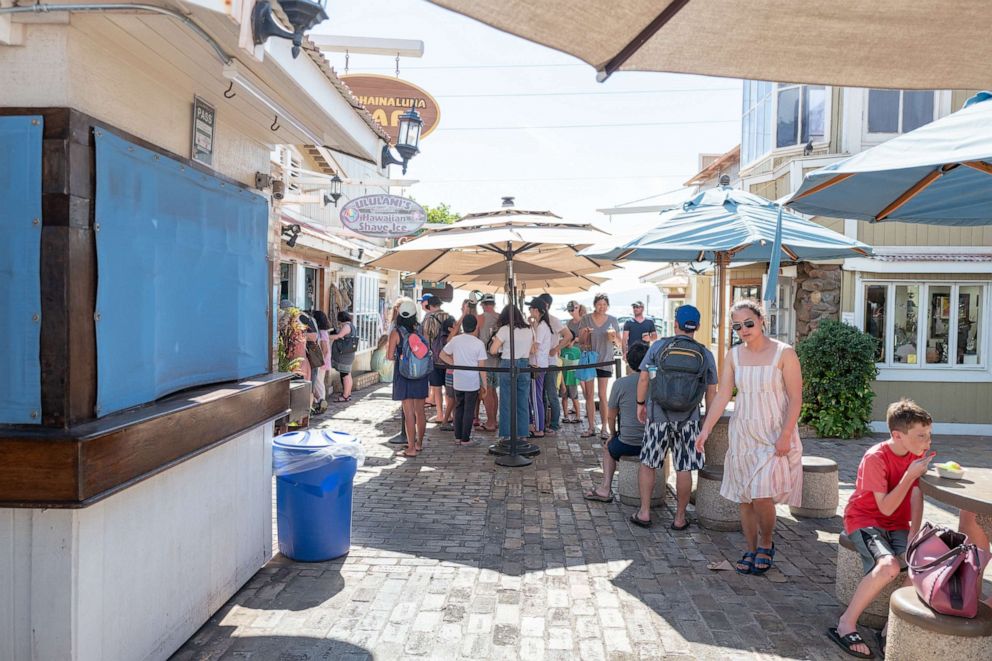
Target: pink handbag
946,570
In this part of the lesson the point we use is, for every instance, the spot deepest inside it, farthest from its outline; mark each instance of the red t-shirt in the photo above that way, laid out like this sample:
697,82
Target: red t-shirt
881,470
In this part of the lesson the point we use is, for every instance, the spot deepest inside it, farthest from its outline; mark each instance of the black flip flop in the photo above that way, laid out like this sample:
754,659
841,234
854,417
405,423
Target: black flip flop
638,522
848,641
682,527
592,495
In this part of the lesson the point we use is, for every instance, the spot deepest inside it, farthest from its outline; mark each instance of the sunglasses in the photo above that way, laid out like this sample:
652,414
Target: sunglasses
749,323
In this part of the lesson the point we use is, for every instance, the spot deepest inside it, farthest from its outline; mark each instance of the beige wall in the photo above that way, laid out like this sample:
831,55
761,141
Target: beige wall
966,403
892,233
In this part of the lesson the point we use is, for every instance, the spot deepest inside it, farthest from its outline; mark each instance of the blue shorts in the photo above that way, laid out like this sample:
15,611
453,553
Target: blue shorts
618,448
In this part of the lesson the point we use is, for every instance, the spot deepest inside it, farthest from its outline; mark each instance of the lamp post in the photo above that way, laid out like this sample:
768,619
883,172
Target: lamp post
408,140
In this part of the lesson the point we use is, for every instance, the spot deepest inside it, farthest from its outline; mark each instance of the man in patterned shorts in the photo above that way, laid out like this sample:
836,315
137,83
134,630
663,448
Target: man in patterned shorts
667,430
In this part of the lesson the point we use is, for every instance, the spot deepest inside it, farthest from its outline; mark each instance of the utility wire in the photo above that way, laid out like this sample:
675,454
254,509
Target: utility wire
586,126
543,179
598,93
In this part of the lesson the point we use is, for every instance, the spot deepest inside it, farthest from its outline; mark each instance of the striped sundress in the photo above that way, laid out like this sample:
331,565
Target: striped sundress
751,468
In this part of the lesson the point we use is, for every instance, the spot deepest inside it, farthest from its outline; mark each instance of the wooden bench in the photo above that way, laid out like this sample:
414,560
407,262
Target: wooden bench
627,482
820,489
713,510
917,632
850,571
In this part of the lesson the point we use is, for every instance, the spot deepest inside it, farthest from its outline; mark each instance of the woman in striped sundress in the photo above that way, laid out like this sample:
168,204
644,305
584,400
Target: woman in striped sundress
764,462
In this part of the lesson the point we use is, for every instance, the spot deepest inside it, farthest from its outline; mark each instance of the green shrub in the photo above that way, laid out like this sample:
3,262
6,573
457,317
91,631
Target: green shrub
838,363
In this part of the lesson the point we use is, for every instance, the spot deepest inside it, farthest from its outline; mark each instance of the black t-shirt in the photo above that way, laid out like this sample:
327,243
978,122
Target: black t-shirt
635,329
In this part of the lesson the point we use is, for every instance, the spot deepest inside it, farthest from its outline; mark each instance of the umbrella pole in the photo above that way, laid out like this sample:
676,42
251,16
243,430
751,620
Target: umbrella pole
721,265
514,458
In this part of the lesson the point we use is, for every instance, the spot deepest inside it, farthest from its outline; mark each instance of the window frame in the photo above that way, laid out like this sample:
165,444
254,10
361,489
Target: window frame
881,136
921,370
772,119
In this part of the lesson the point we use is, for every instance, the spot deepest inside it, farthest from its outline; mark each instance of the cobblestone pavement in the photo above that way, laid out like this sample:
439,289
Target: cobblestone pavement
453,557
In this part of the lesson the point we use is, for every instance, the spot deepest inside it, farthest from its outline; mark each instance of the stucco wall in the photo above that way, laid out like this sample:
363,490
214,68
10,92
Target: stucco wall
135,575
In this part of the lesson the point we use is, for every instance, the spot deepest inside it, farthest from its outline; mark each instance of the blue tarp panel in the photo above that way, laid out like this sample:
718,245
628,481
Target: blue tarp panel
183,277
20,269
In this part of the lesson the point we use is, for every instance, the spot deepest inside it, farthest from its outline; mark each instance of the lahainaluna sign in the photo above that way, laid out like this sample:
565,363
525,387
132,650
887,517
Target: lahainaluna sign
383,216
387,98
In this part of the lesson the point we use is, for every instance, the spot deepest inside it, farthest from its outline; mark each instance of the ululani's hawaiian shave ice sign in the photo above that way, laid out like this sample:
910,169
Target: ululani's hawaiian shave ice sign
383,216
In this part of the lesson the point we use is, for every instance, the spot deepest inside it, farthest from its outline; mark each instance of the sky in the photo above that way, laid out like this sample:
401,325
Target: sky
490,84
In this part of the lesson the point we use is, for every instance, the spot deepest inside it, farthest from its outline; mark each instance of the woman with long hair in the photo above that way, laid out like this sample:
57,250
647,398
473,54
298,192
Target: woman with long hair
412,392
603,333
342,360
763,465
320,374
523,340
543,341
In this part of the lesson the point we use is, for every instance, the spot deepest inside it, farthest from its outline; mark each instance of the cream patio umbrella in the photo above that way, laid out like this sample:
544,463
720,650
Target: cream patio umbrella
924,44
478,245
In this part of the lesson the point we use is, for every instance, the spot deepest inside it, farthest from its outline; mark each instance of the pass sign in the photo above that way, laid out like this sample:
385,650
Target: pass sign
383,216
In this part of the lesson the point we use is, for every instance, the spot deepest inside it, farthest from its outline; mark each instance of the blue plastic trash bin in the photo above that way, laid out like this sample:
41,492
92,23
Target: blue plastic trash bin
314,473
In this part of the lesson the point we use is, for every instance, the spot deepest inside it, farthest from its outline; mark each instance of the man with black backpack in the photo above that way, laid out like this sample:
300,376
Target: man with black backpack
676,375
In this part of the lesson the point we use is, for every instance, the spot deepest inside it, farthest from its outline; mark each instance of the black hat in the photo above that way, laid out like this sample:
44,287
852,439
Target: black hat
539,303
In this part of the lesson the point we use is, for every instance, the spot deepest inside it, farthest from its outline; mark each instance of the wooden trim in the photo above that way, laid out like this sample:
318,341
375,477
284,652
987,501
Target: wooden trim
82,465
910,193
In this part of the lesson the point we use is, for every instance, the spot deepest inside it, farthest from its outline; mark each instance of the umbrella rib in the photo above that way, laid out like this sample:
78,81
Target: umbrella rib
792,255
826,184
618,60
913,191
981,166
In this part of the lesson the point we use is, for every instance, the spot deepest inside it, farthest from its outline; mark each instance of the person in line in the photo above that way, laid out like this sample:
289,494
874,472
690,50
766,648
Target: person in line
763,465
603,333
561,337
523,340
319,375
969,524
409,391
884,513
447,332
670,430
626,428
488,321
424,301
575,312
570,355
539,357
466,349
432,328
343,357
638,329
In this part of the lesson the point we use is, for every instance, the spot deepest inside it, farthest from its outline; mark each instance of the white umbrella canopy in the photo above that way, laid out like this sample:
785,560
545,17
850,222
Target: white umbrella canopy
563,285
924,44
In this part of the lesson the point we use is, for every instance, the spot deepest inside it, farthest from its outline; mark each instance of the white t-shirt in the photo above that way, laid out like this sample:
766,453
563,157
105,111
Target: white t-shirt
522,340
544,340
466,350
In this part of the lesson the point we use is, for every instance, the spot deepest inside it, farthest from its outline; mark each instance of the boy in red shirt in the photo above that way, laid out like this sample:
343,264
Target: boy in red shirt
884,513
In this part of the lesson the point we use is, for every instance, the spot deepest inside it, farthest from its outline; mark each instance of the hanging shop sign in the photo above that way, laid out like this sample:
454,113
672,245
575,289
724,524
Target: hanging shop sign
387,98
383,216
204,117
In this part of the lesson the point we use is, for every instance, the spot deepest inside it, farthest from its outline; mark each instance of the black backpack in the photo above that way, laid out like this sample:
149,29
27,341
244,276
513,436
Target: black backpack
680,383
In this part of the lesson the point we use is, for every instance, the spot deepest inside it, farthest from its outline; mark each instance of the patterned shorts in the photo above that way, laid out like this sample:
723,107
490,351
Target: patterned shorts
677,437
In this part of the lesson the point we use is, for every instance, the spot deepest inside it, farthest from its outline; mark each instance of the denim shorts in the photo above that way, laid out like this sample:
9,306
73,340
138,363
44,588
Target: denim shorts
618,448
873,543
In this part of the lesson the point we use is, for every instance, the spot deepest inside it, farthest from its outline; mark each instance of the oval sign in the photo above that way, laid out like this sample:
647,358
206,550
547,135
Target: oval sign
387,98
383,216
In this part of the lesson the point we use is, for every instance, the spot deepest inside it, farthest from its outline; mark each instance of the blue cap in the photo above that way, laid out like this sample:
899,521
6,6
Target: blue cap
424,297
687,318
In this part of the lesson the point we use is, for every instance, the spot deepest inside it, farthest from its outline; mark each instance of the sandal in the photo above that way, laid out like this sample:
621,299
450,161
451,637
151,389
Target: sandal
419,445
748,561
682,527
637,521
589,433
341,400
848,642
592,495
405,452
761,565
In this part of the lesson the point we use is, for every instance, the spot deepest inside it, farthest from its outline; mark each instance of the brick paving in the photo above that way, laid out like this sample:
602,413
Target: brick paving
453,557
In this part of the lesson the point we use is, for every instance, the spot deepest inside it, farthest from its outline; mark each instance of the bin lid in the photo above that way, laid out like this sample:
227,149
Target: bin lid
312,439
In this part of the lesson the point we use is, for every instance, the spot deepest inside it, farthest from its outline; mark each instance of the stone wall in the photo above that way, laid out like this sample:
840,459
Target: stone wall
817,296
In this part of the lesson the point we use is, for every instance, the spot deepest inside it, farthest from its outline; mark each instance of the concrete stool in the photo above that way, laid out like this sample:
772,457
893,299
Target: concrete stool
719,441
820,489
916,632
627,469
713,510
850,571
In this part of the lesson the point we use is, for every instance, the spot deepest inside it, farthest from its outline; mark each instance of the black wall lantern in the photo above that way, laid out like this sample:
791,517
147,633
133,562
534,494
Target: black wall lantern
408,141
334,194
302,15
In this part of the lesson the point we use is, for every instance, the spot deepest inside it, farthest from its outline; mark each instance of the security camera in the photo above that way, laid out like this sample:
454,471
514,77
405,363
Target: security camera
278,189
262,180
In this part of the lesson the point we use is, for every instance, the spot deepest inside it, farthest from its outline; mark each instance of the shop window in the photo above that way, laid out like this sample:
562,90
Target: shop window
899,111
779,115
800,115
285,282
925,325
311,292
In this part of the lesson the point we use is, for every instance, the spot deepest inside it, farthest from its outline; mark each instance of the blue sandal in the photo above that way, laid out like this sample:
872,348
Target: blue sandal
748,561
761,565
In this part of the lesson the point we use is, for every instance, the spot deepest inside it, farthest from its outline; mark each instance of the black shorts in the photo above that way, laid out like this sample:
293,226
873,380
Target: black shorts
604,374
436,377
873,543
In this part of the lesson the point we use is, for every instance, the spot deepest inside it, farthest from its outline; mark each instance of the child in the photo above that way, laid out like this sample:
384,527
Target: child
468,350
884,513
